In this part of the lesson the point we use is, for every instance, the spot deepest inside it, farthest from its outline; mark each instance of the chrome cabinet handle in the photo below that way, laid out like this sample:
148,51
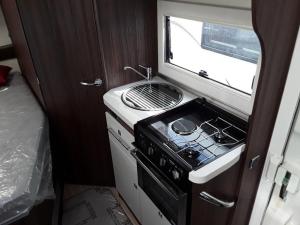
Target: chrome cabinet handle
98,82
213,200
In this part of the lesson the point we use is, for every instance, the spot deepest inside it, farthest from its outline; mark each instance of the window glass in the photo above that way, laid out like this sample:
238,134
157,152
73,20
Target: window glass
225,54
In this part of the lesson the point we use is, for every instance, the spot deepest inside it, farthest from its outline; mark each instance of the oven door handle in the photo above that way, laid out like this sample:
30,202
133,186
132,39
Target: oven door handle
140,162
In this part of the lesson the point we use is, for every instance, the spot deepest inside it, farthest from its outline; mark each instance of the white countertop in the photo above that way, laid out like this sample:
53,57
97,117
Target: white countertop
113,100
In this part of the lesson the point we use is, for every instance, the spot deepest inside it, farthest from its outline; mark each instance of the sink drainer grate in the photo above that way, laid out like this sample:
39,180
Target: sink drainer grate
152,96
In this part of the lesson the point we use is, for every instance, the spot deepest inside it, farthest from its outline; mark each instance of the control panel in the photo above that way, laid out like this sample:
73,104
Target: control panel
160,159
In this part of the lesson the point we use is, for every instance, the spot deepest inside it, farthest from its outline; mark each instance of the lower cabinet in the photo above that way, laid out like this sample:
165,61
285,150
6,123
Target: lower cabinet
125,175
214,215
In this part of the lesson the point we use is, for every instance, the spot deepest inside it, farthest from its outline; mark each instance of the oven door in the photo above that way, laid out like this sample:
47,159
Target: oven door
170,200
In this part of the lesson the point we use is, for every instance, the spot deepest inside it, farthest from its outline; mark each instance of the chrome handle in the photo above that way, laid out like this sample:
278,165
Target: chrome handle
215,201
98,82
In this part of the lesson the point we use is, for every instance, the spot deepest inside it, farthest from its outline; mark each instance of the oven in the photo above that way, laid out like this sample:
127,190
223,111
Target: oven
168,197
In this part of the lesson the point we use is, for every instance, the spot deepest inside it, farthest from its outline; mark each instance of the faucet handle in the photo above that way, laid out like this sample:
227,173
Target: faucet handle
145,67
148,69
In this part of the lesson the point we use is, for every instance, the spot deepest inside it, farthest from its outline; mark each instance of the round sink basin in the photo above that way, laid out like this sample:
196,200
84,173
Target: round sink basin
152,96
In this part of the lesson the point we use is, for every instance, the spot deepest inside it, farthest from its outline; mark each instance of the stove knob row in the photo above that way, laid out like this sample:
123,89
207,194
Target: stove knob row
175,174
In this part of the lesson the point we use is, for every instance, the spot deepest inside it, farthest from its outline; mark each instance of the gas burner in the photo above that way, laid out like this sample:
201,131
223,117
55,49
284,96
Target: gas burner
191,153
220,136
184,127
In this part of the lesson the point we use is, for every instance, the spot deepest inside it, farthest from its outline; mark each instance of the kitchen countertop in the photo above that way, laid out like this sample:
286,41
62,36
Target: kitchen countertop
112,99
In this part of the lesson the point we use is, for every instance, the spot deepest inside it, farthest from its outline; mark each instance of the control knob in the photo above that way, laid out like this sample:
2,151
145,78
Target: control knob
150,151
175,174
162,162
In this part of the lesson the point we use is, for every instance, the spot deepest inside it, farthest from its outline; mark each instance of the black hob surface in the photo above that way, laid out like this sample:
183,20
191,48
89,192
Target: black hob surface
198,132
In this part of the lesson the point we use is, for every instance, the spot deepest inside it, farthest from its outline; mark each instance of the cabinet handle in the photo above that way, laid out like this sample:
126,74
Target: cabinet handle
215,201
98,82
135,186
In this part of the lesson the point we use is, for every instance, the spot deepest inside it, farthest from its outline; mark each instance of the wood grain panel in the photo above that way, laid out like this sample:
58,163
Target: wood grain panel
80,40
14,26
129,37
276,23
224,187
62,36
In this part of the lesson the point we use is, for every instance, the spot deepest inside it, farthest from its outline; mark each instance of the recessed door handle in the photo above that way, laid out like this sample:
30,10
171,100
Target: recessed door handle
213,200
98,82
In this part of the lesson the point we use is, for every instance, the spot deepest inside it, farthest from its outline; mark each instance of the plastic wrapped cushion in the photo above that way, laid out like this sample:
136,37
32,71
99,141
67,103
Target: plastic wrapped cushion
25,159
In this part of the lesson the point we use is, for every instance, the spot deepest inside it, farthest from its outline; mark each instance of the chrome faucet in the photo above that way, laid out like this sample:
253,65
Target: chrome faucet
148,77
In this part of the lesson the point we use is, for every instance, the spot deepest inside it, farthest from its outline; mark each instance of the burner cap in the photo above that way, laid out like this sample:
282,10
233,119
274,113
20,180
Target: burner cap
191,153
220,136
184,127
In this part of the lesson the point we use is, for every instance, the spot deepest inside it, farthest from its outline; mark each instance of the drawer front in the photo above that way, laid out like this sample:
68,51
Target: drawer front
120,132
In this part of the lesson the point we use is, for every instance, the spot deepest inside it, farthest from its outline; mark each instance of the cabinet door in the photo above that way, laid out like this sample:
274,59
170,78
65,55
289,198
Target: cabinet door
125,171
224,187
63,39
207,213
150,214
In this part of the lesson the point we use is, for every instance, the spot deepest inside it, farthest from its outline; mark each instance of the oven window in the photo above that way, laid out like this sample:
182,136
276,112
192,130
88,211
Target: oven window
162,200
224,54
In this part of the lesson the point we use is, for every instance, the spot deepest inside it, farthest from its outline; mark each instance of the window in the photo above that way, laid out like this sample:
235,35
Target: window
225,54
211,50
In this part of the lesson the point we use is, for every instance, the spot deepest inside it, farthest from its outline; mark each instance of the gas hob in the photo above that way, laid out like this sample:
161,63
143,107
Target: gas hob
189,137
198,139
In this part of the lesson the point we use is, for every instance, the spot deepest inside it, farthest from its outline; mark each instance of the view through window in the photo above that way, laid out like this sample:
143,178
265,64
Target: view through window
225,54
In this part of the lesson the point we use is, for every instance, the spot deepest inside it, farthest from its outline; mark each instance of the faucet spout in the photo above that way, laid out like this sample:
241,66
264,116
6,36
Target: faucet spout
148,77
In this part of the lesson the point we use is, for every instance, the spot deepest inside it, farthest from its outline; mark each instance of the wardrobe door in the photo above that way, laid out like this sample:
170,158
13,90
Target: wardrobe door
63,40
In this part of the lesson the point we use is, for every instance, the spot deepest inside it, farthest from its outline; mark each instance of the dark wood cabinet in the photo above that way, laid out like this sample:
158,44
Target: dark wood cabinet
83,40
62,37
129,37
223,187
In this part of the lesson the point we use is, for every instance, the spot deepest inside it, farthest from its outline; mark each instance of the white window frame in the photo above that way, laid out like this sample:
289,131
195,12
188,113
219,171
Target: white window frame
205,87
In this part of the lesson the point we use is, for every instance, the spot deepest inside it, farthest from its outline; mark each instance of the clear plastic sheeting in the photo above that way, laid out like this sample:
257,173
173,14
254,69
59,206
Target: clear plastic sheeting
25,157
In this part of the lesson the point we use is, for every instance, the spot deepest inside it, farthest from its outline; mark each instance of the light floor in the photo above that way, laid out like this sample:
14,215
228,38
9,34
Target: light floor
71,190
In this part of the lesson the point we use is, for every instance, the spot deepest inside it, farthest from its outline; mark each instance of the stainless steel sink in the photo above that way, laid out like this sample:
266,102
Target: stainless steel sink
152,96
